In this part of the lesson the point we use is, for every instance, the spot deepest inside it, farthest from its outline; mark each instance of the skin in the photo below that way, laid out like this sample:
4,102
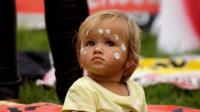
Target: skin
99,57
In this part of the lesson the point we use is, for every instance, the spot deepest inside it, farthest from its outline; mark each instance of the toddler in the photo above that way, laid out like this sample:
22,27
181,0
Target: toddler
108,47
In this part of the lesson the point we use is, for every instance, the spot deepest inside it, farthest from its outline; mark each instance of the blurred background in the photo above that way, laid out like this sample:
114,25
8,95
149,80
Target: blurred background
170,60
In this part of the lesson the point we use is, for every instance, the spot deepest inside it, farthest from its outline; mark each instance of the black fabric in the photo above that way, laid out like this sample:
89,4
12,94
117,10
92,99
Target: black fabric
33,65
63,18
9,78
9,90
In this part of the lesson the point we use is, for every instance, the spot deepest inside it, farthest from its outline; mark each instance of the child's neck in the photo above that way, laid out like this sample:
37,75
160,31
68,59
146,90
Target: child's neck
117,88
112,84
105,79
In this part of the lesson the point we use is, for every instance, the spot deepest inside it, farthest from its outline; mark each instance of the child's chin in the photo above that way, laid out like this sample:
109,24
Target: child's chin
97,70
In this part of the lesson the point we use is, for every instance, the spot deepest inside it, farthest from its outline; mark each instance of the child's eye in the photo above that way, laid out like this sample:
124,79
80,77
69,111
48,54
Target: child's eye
110,43
90,43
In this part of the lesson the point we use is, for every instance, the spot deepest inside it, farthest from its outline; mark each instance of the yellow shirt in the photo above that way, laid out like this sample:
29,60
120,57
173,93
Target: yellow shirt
87,95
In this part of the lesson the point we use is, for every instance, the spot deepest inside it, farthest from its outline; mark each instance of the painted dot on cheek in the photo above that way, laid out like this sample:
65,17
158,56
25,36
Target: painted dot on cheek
117,56
123,47
82,49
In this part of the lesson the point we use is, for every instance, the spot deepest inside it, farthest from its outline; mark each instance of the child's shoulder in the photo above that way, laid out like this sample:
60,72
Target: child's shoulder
132,82
82,82
135,85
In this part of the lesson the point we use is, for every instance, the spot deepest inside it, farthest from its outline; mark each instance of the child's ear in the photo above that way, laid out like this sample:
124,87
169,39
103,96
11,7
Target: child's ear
129,63
128,70
130,66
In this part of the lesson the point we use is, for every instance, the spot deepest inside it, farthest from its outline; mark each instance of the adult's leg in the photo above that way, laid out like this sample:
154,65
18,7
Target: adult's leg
63,18
9,78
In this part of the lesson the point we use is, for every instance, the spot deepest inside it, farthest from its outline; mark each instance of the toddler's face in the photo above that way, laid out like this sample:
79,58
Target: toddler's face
104,51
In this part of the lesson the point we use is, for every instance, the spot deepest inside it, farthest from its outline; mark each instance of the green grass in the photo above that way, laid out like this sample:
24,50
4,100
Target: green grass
30,93
32,40
158,94
168,94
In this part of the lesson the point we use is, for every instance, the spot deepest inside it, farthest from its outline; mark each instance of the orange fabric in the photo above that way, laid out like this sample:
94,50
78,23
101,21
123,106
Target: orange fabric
50,107
35,107
170,108
37,6
30,6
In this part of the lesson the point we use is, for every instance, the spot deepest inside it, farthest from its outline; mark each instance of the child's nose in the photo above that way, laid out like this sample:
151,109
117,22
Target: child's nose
98,50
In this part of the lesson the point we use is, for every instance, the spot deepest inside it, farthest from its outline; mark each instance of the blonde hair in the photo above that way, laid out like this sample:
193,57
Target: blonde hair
132,35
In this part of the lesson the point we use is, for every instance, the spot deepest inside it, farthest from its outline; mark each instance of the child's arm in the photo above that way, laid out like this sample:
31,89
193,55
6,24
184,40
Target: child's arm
79,99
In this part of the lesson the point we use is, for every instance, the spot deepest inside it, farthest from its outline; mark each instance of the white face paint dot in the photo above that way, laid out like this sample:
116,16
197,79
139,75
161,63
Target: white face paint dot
100,31
116,37
82,49
108,31
123,47
117,56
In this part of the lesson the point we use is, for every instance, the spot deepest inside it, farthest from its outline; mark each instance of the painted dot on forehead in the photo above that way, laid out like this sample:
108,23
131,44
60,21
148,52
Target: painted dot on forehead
123,47
108,31
100,31
117,56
